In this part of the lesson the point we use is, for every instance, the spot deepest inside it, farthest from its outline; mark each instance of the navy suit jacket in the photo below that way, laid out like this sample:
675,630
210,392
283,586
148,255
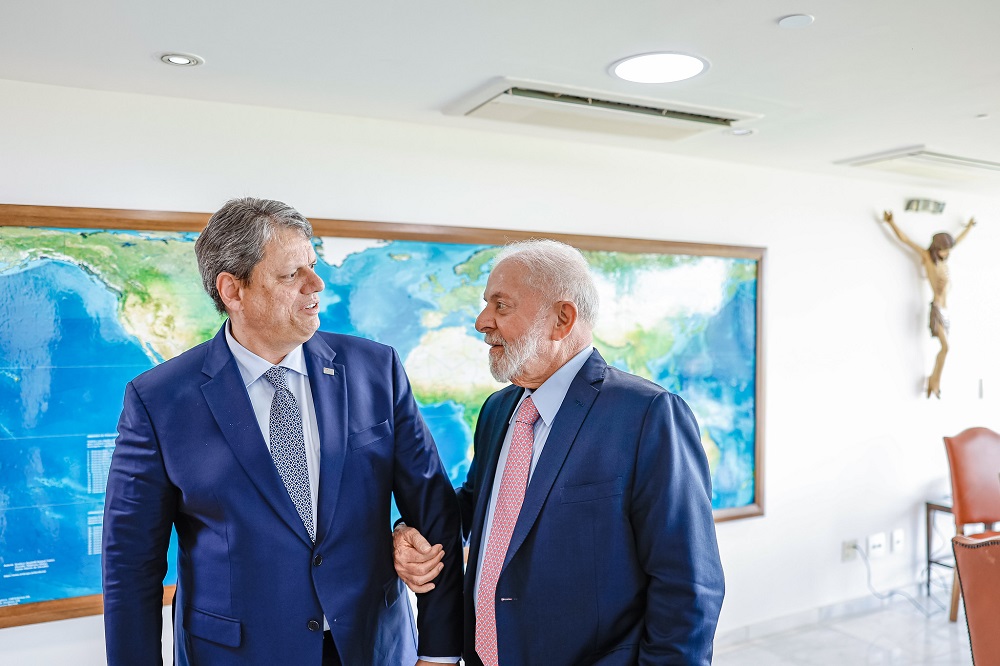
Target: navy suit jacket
251,586
614,558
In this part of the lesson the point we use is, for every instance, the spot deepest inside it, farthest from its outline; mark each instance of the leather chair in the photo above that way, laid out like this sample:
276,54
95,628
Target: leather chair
974,458
977,562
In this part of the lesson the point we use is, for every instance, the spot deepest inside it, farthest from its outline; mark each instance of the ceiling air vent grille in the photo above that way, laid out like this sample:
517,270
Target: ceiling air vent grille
566,108
917,161
592,102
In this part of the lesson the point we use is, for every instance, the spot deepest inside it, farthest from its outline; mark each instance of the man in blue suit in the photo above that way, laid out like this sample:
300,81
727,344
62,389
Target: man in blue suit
273,449
587,506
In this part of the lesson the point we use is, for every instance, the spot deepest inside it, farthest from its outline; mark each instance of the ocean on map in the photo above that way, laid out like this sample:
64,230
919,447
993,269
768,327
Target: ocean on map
64,363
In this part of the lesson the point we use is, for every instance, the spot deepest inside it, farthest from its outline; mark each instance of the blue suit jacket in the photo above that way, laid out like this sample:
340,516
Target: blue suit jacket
251,587
613,559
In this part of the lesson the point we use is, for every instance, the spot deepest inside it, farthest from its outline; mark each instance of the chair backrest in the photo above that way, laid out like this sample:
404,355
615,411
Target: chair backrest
978,564
974,457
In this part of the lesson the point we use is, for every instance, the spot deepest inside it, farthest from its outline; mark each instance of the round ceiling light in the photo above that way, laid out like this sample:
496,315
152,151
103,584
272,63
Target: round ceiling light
659,67
740,131
181,59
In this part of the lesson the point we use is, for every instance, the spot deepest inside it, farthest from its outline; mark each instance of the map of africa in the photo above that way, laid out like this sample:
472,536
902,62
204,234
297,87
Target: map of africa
83,311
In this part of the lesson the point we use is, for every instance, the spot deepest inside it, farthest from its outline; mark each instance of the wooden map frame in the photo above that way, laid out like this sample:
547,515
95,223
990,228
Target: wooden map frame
145,220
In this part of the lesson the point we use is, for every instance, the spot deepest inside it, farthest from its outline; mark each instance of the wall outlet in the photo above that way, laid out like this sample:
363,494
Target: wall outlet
898,540
876,545
847,550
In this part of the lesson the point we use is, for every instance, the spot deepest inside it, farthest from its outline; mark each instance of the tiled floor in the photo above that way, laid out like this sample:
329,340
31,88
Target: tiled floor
895,634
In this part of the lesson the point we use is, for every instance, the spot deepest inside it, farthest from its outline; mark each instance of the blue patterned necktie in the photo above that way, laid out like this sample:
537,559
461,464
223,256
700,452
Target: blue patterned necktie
288,447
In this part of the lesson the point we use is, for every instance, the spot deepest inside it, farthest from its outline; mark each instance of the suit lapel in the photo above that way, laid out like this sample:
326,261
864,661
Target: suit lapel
496,428
583,391
229,403
329,391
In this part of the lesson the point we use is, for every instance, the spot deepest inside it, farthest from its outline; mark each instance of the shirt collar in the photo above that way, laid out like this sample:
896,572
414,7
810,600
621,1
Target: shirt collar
548,397
252,367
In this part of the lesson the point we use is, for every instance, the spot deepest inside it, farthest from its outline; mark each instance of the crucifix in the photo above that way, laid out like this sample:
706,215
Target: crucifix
934,260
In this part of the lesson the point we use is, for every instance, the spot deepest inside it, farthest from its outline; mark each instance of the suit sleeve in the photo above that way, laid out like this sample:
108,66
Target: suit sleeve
466,494
138,515
426,501
675,533
467,491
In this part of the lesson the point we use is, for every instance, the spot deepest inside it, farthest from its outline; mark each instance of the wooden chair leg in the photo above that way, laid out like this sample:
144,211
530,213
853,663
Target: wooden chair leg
956,590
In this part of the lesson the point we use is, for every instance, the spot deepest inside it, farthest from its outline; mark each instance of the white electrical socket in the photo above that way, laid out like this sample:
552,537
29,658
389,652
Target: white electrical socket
898,540
847,550
876,545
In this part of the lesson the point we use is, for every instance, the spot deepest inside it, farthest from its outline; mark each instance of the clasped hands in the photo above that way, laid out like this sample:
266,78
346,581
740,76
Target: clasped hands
417,562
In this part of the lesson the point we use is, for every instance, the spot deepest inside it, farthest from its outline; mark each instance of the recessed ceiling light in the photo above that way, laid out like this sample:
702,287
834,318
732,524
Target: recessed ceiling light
181,59
796,21
659,68
740,131
983,116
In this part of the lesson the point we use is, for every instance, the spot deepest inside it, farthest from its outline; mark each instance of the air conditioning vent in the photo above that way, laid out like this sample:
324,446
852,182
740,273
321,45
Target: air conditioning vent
616,106
917,161
566,108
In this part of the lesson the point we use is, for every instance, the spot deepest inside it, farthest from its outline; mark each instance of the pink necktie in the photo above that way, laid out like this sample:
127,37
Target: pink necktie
512,487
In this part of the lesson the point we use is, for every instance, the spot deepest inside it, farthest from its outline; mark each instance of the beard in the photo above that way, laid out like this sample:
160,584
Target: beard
517,353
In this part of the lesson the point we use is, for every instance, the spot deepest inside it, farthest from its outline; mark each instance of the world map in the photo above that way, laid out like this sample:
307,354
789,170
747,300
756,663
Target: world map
83,311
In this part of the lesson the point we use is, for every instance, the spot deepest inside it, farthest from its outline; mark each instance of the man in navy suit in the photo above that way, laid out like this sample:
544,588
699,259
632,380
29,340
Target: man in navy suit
603,550
274,449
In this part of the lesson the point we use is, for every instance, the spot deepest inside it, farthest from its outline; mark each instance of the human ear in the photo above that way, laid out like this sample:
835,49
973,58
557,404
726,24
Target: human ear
566,315
230,290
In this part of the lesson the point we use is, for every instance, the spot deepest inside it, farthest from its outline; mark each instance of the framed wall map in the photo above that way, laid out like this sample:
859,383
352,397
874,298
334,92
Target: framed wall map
89,298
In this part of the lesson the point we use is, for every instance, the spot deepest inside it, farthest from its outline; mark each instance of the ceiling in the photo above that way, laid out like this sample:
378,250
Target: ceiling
865,77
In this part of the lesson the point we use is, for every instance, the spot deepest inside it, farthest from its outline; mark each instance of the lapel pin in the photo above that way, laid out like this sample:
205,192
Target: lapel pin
328,371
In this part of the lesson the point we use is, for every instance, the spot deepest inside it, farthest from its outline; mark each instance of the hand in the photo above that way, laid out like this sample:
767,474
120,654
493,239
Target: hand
417,562
972,222
887,216
421,662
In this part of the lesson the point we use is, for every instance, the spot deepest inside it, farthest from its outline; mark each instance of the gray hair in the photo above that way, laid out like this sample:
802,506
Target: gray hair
558,271
233,240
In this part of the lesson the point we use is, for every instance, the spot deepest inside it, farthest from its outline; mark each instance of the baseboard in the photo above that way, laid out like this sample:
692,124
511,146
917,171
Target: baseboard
858,606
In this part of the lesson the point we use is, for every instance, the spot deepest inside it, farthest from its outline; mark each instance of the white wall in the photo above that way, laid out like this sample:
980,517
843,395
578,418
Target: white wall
852,447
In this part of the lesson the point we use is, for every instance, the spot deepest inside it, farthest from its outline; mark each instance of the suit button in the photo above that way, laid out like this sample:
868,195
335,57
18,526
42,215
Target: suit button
318,560
312,625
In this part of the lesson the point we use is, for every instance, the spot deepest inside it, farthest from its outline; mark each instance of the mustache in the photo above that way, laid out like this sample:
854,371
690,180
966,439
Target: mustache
494,339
